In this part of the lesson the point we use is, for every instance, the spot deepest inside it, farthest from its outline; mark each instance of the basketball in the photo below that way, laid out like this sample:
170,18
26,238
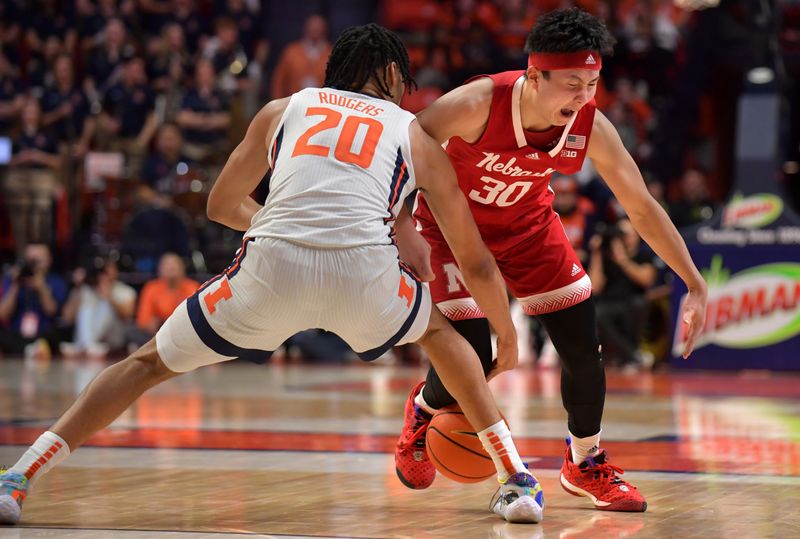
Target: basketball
455,449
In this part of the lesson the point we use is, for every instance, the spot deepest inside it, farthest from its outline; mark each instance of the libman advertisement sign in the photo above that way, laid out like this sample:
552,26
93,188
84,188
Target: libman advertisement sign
755,211
757,219
752,318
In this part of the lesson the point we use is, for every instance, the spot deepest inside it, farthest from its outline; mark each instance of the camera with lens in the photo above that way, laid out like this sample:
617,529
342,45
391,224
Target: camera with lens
607,233
27,270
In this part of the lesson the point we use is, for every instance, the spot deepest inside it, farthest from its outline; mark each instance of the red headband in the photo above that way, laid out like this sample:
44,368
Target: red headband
549,61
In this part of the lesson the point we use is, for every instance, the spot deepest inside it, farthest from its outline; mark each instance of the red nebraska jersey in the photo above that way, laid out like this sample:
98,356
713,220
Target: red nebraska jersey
507,180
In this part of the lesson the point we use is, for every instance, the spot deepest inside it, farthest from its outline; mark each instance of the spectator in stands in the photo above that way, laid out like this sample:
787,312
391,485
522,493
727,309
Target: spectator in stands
621,273
104,65
162,165
155,14
184,13
100,307
480,53
155,229
48,19
246,17
227,55
30,303
576,213
91,20
66,109
168,60
693,204
31,181
436,70
204,116
10,31
11,97
302,63
39,67
621,117
656,190
128,118
160,297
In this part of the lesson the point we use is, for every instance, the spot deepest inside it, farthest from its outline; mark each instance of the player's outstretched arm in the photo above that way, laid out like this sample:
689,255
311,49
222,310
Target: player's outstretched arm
618,169
229,202
437,180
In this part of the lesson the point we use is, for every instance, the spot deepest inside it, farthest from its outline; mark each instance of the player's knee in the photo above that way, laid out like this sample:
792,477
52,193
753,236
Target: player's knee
149,365
431,335
581,357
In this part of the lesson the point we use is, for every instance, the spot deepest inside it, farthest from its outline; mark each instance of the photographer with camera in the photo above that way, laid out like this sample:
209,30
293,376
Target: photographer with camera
100,306
30,303
621,273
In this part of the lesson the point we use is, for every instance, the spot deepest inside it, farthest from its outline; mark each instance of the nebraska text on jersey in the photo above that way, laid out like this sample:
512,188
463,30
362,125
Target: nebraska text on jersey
490,164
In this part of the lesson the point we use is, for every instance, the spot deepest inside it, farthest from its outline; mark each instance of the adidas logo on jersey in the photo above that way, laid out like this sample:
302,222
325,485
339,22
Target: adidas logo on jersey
534,155
576,269
590,60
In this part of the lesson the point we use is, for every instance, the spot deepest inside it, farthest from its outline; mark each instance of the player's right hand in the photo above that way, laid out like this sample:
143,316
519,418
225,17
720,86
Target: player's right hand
507,355
693,314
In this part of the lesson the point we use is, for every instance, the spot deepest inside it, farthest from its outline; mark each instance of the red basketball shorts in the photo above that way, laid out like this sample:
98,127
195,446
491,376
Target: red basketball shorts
541,270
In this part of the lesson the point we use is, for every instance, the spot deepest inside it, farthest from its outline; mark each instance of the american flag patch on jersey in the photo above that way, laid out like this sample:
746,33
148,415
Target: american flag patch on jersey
576,142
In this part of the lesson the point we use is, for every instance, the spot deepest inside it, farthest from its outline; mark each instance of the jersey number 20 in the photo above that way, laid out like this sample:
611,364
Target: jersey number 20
344,145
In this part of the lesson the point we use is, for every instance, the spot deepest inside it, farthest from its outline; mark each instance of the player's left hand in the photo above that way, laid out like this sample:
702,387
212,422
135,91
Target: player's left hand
693,313
414,250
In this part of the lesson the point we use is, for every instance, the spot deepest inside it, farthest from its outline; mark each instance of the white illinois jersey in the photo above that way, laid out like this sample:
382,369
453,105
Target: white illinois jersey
341,163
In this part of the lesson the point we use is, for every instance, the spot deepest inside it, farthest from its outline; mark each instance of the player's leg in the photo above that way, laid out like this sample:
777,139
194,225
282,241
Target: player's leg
213,325
476,332
452,299
103,400
393,307
520,497
586,470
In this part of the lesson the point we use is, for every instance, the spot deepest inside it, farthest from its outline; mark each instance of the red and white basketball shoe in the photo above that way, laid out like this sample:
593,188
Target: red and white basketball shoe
411,461
596,479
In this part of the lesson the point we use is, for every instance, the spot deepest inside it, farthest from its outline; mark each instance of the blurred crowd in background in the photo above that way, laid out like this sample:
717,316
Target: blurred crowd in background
117,115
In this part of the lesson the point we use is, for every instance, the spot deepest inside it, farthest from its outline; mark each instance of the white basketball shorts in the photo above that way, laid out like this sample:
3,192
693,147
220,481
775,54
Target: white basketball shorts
274,289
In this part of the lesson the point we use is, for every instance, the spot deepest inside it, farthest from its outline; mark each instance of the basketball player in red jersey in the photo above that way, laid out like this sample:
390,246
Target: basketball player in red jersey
505,135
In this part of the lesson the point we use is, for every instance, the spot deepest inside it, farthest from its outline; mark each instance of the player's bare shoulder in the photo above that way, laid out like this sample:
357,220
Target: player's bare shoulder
267,119
463,112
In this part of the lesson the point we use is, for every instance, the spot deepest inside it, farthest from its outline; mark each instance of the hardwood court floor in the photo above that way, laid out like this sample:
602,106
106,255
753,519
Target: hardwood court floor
306,451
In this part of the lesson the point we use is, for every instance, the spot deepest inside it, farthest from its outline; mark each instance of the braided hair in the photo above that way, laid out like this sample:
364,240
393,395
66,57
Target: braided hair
360,53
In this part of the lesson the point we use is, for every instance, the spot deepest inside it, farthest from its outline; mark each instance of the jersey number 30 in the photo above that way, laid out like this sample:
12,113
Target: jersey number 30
500,193
344,145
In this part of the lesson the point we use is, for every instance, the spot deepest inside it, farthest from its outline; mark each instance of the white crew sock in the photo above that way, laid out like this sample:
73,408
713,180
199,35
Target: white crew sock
584,447
497,441
47,451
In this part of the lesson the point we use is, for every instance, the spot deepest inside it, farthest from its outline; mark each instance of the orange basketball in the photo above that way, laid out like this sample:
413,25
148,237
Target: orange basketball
455,449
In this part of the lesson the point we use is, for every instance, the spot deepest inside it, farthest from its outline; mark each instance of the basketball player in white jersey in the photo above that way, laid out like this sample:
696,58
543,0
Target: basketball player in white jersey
319,254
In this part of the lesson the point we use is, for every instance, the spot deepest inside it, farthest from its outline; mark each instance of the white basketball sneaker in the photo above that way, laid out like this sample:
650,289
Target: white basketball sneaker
13,490
519,499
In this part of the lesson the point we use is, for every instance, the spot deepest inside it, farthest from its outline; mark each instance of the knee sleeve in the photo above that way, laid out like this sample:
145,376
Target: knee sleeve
583,380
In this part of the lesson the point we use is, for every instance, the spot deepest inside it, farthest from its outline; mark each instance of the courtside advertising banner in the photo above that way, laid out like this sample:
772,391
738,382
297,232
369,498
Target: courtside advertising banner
750,257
